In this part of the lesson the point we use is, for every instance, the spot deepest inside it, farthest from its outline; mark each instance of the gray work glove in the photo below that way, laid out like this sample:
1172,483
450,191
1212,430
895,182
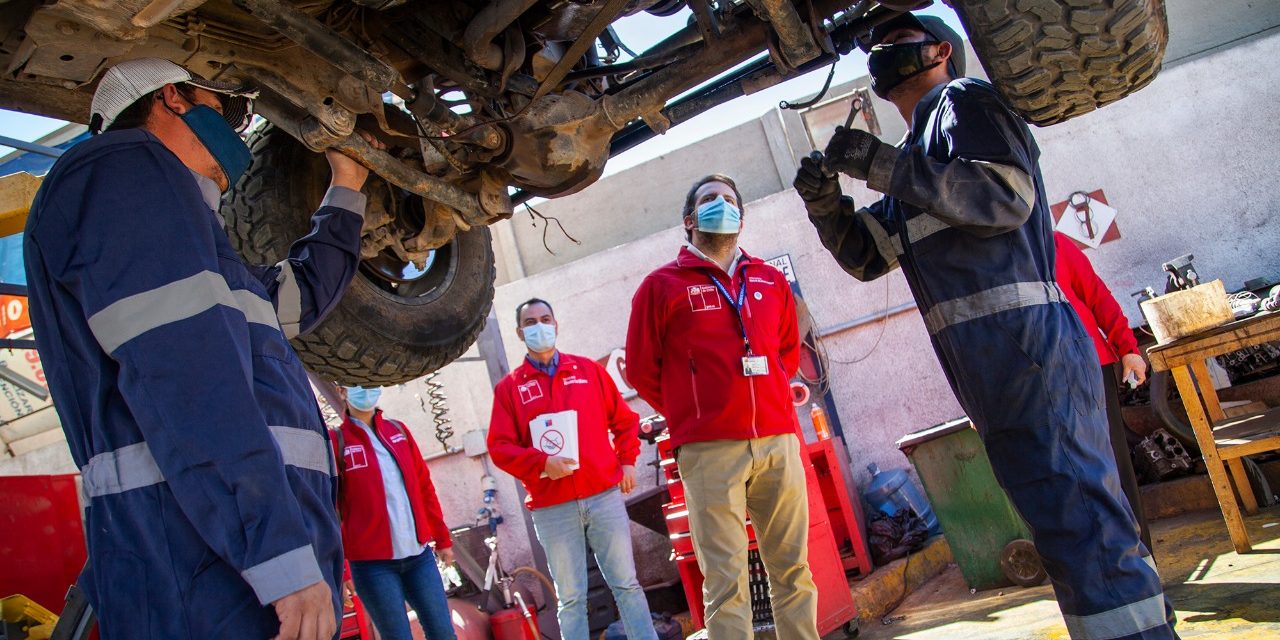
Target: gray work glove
851,151
819,190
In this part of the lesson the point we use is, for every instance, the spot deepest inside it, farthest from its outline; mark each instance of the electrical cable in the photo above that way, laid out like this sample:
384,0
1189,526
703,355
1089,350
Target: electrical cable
884,323
821,92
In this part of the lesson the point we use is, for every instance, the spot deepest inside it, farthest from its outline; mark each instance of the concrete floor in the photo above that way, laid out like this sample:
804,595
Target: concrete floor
1217,592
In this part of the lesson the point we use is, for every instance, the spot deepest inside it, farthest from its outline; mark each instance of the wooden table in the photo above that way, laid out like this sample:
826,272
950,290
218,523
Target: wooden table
1223,442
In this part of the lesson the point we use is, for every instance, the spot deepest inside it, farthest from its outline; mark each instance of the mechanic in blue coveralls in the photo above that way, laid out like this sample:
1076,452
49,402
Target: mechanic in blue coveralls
965,216
201,447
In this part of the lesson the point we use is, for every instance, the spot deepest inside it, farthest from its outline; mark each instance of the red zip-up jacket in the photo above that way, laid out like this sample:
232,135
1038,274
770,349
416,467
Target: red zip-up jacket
582,385
366,529
1089,296
685,350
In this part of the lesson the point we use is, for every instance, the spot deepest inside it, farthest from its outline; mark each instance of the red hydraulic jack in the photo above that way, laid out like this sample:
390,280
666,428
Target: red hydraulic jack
833,525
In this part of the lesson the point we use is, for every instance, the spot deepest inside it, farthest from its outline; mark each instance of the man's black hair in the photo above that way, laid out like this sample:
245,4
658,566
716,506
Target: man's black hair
689,204
532,301
135,116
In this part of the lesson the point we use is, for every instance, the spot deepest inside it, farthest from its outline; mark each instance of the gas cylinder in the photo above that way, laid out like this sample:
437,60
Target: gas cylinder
512,624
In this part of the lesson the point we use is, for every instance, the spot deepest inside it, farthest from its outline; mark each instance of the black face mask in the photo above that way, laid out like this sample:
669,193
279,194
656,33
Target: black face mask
892,64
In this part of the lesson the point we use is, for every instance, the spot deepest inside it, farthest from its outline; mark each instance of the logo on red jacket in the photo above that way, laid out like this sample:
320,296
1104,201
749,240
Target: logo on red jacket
399,437
530,391
354,457
704,297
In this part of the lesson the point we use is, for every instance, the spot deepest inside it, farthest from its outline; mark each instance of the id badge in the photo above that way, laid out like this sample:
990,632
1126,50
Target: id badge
755,366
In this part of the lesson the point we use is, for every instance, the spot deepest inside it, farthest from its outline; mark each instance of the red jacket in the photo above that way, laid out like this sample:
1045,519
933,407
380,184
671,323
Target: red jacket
366,529
584,386
685,350
1089,296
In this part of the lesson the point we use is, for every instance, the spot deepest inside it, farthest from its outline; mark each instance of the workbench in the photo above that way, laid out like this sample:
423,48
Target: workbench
1223,442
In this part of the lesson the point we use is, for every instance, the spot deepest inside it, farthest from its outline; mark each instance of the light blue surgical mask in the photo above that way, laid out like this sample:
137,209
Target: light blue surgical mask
540,338
719,216
222,142
362,399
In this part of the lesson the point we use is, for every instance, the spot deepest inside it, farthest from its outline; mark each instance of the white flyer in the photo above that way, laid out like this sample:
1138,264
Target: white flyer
556,434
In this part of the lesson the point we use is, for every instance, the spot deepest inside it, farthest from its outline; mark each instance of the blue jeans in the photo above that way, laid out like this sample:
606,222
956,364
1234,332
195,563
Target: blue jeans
565,530
385,585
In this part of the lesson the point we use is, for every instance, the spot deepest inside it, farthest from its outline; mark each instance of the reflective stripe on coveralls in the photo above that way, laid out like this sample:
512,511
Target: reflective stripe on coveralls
135,315
133,467
1120,622
994,300
289,306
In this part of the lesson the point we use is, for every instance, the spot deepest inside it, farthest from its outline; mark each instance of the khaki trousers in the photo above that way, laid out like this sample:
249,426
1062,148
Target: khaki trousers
764,478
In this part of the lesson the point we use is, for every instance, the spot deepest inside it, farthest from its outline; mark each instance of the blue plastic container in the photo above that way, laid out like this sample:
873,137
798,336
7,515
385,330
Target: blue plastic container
891,491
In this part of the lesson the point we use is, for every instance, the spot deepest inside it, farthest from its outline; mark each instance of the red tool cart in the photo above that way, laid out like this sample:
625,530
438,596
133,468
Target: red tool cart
833,519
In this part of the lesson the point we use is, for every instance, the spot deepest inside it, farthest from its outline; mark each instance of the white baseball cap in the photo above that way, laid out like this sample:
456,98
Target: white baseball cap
127,82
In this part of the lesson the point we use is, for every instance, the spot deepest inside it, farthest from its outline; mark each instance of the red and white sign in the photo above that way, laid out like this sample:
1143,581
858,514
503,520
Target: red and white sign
616,365
1087,219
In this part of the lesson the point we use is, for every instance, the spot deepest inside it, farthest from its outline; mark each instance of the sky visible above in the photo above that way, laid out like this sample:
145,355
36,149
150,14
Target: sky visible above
639,32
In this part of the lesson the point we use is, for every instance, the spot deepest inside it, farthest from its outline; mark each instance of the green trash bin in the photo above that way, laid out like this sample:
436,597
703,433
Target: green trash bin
988,539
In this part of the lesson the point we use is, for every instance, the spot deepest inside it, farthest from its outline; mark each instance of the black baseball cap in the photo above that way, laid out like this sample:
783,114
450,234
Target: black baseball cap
933,26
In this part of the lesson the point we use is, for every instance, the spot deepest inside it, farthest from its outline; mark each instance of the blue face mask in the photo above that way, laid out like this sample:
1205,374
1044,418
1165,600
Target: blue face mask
540,338
223,143
719,216
362,399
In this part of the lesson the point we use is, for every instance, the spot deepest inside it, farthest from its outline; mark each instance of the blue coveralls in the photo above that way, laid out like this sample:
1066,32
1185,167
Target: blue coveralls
202,450
966,218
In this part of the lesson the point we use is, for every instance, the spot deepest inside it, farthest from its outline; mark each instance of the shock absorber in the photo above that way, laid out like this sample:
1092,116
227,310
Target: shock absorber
439,408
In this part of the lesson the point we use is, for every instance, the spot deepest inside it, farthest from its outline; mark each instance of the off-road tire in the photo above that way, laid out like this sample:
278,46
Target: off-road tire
372,337
1053,60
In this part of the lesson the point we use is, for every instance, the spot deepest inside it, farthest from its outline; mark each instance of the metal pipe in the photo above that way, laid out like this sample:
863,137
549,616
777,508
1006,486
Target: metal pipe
649,94
759,75
440,454
319,39
380,4
867,319
635,64
312,133
154,13
486,25
742,38
794,36
31,147
412,180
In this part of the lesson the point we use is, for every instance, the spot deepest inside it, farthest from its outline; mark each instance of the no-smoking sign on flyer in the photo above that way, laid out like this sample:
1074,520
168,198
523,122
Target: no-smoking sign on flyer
556,434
